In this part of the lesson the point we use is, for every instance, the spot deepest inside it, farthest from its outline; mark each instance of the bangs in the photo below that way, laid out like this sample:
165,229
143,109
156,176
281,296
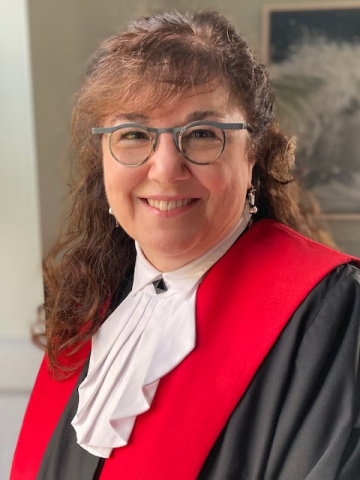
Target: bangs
151,75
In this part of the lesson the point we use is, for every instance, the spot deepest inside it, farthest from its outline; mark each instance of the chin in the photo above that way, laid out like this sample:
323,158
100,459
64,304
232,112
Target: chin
170,248
171,251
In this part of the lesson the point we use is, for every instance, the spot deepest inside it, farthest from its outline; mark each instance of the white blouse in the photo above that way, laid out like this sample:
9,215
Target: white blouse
145,337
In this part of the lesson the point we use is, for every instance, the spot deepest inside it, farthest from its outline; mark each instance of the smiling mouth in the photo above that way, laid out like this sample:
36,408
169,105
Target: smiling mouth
164,205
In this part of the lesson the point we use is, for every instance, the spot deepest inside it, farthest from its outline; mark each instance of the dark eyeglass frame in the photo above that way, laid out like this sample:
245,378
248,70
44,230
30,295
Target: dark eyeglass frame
177,133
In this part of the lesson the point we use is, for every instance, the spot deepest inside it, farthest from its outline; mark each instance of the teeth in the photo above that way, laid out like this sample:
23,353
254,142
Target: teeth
171,205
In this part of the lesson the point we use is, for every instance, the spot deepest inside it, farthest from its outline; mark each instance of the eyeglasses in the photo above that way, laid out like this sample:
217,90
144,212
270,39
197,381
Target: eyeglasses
199,142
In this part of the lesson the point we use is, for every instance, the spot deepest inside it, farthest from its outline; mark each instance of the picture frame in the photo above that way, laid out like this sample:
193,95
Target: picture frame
313,55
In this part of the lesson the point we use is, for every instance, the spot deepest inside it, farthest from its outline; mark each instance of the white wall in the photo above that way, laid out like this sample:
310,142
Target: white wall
20,249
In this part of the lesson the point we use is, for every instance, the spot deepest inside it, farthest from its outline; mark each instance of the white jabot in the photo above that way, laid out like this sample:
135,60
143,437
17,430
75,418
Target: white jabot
145,337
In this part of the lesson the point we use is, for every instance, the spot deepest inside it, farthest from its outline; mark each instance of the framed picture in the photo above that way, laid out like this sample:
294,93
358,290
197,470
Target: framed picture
313,55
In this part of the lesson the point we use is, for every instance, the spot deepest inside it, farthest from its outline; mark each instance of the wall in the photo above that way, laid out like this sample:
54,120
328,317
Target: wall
20,245
20,229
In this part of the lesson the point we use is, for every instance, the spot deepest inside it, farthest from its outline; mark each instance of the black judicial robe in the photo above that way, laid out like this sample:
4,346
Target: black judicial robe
298,417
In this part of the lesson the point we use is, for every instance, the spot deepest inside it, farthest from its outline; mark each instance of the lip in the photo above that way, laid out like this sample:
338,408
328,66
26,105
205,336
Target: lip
168,206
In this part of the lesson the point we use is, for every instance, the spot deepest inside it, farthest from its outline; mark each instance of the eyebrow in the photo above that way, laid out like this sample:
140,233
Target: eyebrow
202,115
191,117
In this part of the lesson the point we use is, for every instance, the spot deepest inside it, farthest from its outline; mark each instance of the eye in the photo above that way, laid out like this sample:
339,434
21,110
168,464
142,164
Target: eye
133,135
201,136
202,133
130,137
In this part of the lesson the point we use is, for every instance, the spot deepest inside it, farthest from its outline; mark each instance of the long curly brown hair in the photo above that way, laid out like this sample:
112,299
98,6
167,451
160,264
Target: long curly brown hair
153,63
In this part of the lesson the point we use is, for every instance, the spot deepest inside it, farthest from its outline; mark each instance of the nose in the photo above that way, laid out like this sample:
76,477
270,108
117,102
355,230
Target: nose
166,164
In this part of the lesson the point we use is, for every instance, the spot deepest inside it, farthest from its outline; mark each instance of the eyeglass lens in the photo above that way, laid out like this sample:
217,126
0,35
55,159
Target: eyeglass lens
198,143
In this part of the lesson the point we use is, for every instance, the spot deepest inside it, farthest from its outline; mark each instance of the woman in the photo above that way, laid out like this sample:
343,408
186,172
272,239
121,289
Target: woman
221,343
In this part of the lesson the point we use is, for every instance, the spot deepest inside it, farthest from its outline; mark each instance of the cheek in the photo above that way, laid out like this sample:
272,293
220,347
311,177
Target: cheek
230,181
119,181
107,172
113,183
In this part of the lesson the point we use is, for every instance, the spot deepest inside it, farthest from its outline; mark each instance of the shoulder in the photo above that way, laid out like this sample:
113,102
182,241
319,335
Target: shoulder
277,235
346,275
335,301
340,287
269,240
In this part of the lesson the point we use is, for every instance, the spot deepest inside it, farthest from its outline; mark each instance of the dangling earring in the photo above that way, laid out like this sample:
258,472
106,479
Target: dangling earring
251,200
112,213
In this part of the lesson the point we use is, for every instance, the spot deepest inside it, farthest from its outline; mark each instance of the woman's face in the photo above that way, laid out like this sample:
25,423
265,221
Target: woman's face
212,196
